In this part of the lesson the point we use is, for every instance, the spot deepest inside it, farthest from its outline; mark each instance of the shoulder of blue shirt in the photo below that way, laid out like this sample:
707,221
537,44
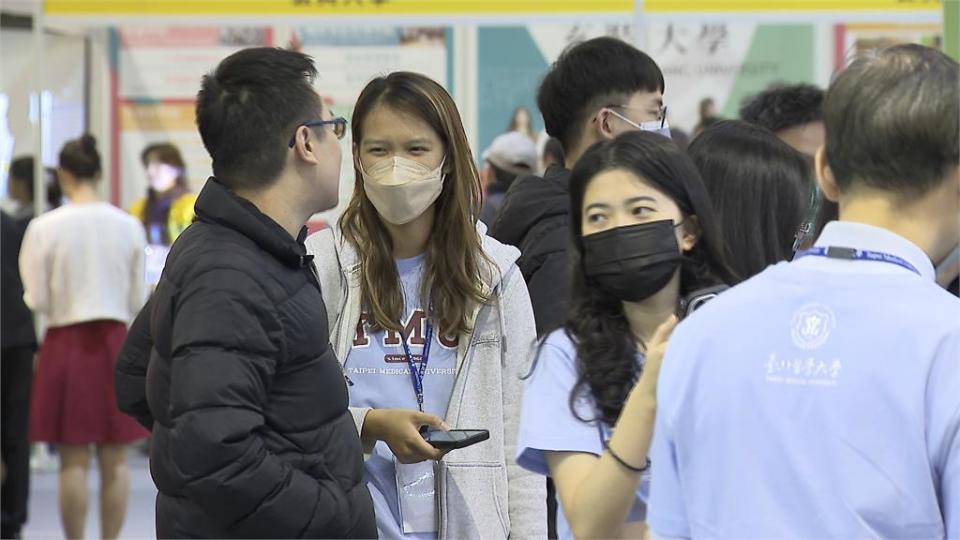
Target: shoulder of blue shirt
926,301
554,350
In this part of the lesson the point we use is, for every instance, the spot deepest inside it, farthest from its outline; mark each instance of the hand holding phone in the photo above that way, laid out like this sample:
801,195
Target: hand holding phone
402,430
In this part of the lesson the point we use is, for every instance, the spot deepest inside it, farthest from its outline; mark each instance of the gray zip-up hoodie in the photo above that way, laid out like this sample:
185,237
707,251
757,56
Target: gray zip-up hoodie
482,491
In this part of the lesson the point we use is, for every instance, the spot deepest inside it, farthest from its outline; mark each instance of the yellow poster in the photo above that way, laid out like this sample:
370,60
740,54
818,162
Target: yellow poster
333,7
375,8
799,6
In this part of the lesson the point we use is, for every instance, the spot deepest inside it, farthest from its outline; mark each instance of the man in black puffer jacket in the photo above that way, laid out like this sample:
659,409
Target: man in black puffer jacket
535,217
230,363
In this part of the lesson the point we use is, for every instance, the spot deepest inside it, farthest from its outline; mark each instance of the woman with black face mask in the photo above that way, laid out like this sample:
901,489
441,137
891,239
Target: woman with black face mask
644,237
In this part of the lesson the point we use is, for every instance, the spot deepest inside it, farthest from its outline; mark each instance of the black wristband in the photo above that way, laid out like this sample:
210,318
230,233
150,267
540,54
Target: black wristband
645,468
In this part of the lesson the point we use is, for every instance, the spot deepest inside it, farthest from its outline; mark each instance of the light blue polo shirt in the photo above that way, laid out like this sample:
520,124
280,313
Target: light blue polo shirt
548,424
820,399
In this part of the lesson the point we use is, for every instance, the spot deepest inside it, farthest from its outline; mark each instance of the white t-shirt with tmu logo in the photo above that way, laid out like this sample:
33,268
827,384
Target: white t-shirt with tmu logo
377,368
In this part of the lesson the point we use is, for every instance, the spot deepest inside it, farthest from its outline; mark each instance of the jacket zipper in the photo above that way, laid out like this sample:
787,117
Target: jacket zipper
441,499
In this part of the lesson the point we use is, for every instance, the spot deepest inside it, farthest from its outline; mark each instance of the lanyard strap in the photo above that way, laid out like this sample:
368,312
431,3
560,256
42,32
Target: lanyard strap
851,254
418,369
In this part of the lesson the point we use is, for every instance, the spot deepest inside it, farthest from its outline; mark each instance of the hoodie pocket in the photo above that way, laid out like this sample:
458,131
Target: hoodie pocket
473,503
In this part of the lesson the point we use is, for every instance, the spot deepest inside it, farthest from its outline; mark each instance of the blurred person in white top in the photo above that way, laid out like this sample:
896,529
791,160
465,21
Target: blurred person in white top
83,261
83,272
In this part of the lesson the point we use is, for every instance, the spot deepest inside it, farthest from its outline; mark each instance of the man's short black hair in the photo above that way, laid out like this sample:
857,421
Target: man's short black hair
893,121
249,107
21,170
588,76
783,107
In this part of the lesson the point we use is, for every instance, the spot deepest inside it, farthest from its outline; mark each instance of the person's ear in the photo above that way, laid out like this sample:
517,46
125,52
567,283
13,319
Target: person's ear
604,130
305,146
828,184
691,233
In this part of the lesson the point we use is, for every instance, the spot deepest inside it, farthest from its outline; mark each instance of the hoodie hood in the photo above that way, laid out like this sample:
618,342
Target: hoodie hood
529,201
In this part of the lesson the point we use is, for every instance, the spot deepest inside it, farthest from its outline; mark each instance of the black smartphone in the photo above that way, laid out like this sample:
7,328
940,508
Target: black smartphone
455,438
697,299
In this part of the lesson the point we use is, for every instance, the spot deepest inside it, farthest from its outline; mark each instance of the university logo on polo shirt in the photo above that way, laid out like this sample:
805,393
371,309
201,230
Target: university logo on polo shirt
811,327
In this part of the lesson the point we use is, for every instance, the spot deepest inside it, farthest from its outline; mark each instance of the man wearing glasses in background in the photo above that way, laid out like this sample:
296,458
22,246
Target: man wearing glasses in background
595,91
245,398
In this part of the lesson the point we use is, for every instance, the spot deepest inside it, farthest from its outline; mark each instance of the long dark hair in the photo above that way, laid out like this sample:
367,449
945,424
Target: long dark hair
515,123
761,189
455,261
606,349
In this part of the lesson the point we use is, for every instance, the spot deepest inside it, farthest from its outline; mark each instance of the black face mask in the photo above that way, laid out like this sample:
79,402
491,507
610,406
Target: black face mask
633,262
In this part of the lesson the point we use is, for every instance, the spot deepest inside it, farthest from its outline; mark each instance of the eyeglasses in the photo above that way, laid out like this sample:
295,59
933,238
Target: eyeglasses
339,128
661,115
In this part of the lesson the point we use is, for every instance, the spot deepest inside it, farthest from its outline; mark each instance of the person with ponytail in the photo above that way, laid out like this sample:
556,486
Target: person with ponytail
644,236
432,323
82,266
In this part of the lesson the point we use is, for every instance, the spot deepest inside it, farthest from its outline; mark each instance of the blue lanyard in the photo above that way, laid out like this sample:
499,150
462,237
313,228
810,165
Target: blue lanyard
851,254
419,369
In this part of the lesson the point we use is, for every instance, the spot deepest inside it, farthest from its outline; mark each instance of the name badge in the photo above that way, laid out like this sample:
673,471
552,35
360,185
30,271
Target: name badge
417,491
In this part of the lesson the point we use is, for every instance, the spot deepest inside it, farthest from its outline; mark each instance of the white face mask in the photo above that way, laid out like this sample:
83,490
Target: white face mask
162,176
402,189
660,127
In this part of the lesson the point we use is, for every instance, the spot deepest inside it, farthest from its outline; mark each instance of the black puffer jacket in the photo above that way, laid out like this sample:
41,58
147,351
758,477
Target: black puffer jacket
16,322
535,217
246,400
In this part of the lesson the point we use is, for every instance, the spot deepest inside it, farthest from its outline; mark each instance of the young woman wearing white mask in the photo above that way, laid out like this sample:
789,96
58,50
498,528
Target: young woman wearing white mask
432,322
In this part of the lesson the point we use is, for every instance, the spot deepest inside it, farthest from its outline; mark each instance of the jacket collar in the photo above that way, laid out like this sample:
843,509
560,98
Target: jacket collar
531,201
217,204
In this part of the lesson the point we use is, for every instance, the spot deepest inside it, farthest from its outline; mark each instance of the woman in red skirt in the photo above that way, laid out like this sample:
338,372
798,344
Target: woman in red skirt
82,267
